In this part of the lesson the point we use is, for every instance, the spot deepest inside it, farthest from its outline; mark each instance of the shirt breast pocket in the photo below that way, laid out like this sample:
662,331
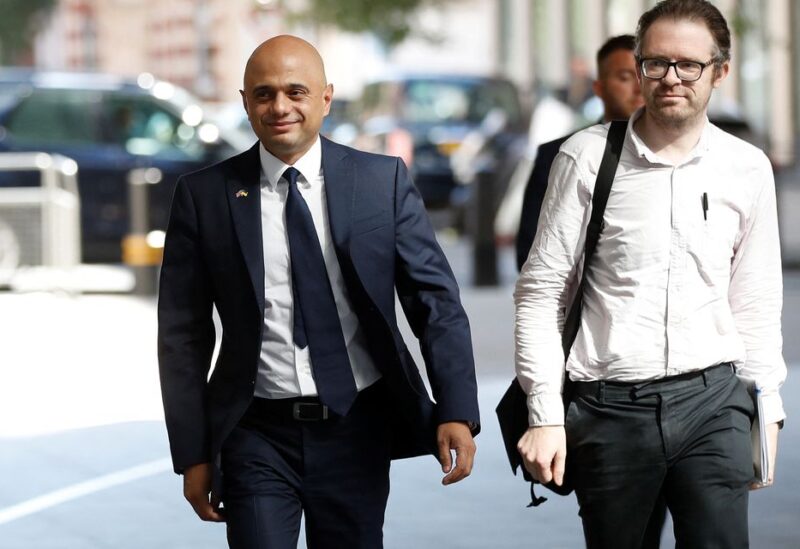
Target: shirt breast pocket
714,242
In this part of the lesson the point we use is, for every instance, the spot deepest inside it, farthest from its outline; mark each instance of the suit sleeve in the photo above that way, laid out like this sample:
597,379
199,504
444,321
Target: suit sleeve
429,295
185,334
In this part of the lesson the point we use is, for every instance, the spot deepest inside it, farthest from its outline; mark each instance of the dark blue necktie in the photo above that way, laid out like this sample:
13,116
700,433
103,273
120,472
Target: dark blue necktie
316,320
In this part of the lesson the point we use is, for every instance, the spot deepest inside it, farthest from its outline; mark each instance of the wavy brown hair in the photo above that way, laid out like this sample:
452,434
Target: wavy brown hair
693,10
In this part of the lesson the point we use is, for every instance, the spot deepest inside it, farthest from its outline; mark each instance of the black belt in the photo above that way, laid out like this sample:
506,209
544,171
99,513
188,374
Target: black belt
306,408
298,409
626,389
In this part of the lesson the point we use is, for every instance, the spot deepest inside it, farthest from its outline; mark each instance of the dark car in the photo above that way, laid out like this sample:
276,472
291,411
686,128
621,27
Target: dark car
110,126
424,118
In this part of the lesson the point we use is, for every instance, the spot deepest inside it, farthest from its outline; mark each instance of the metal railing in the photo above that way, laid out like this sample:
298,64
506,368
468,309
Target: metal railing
39,225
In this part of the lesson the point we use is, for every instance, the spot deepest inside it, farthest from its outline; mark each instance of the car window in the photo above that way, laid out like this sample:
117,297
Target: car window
500,95
431,101
466,101
52,117
9,94
144,127
339,114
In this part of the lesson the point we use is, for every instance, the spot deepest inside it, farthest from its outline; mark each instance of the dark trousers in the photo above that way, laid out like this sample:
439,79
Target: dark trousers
335,471
685,439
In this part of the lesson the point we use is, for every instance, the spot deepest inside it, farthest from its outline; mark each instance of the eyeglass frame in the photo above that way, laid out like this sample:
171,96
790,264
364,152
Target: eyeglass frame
674,65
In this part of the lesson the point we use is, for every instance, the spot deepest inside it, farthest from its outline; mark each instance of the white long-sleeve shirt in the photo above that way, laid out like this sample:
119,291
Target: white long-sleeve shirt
672,287
284,369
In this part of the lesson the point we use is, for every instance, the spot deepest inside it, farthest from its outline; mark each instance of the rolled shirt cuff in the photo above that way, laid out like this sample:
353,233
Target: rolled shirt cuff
545,409
772,406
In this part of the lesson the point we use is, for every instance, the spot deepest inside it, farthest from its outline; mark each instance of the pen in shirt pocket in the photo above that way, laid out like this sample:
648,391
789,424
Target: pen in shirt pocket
705,206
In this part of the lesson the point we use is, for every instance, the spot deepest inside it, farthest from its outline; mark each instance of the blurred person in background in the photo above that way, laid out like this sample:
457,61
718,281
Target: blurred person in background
618,89
301,244
681,313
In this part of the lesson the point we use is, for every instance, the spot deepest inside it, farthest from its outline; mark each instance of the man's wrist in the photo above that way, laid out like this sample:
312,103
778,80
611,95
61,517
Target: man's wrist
472,425
545,409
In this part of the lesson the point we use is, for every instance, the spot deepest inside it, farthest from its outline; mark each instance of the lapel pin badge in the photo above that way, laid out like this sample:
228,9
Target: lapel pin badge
241,193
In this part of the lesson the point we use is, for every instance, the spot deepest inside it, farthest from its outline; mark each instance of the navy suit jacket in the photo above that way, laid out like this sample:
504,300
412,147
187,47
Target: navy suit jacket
384,242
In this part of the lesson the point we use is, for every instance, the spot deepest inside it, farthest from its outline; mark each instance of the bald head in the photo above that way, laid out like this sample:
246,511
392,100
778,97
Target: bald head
286,95
287,48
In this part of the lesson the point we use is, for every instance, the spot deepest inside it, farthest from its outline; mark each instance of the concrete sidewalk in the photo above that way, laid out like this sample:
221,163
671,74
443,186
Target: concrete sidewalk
84,447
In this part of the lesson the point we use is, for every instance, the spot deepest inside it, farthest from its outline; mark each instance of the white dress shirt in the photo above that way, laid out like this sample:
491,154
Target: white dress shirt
669,291
284,369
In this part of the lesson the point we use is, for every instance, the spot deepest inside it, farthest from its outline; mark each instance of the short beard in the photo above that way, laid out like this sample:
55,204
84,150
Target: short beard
670,122
675,123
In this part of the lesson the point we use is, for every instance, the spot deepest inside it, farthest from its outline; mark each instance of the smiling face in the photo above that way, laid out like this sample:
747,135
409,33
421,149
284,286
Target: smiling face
670,102
286,96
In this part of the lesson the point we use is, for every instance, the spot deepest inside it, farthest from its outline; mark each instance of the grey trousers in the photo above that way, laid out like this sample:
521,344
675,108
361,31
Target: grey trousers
685,439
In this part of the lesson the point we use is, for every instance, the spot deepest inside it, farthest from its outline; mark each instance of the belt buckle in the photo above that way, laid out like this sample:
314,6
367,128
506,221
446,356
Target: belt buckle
309,411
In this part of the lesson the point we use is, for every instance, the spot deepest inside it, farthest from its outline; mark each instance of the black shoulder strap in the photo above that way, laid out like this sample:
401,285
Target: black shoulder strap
602,188
512,411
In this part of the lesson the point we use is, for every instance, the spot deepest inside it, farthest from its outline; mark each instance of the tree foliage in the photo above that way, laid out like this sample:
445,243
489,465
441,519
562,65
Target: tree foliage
17,21
390,20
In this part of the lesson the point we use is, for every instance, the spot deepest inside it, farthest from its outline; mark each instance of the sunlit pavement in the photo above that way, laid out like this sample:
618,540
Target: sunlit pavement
83,448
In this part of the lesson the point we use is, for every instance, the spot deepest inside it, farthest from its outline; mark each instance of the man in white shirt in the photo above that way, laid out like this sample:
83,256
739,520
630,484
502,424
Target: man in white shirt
301,245
681,309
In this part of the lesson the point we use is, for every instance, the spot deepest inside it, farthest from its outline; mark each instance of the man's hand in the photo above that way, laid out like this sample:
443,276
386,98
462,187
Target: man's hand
197,489
544,452
772,447
455,435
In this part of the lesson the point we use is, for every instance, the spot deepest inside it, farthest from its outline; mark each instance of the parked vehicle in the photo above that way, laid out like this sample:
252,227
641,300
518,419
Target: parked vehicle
425,118
110,126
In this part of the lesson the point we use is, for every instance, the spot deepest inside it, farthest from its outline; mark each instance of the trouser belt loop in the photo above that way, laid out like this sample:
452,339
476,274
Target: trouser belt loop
601,391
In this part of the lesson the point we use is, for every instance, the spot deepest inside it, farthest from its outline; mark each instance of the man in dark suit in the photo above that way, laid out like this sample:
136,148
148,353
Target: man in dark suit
618,88
301,244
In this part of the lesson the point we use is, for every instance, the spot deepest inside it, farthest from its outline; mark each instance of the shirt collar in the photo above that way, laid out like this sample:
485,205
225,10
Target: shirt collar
641,150
309,165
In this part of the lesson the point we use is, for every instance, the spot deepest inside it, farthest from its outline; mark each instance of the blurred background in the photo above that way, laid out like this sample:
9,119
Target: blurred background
128,94
104,103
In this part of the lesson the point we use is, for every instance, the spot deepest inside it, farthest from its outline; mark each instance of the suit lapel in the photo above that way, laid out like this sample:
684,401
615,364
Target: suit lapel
340,176
244,197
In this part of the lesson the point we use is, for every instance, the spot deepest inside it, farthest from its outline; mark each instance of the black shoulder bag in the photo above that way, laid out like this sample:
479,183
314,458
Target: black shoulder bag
512,411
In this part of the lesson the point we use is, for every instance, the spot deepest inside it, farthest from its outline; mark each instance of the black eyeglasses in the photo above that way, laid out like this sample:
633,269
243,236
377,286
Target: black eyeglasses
688,71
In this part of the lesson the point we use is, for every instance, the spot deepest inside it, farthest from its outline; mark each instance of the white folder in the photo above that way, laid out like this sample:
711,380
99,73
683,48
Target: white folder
758,435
